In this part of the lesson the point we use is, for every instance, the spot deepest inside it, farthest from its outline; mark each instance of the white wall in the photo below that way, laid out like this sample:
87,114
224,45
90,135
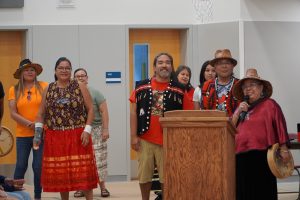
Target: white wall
45,12
270,10
99,49
272,48
210,37
37,12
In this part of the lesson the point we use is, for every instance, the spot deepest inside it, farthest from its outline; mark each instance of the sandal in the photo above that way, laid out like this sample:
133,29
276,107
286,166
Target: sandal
105,193
78,194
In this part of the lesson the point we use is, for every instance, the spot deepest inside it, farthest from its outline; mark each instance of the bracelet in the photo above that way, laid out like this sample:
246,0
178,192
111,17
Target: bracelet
284,151
105,129
88,129
38,125
236,112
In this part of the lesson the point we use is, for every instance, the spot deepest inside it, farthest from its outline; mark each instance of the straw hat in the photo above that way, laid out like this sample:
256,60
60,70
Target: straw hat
251,74
223,54
25,64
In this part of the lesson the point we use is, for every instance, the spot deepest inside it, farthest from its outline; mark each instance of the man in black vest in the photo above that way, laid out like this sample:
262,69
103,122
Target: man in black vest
150,99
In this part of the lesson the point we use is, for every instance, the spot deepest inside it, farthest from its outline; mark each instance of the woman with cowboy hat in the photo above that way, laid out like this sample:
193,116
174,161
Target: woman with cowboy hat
24,101
261,125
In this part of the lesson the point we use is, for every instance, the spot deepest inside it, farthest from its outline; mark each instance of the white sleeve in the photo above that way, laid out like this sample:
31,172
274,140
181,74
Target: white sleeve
197,95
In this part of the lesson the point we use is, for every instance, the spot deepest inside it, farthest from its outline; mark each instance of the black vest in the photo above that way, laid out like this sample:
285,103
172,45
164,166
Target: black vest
172,100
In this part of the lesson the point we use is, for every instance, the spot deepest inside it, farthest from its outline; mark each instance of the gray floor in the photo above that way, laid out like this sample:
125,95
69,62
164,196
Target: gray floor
130,190
290,184
119,190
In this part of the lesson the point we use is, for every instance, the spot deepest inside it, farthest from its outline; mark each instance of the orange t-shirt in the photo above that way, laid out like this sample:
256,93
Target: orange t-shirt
155,132
27,108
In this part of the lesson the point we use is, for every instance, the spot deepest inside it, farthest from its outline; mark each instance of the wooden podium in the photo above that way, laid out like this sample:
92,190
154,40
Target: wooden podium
199,155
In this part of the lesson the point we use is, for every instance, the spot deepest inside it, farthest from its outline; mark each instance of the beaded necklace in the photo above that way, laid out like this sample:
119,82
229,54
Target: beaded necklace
223,106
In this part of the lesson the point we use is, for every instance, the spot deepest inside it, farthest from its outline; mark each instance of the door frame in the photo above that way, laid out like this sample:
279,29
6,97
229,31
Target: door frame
187,57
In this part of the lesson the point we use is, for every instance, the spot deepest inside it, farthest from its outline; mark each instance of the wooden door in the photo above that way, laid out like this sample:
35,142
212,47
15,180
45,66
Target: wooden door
11,52
159,40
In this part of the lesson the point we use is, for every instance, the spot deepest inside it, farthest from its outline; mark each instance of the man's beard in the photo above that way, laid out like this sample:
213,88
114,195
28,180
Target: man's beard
164,74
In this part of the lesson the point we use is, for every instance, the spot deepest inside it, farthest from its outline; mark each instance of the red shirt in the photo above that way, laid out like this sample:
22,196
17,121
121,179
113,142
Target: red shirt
155,132
263,126
188,104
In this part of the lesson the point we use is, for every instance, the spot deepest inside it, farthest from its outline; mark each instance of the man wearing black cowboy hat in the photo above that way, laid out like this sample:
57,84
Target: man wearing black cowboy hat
217,93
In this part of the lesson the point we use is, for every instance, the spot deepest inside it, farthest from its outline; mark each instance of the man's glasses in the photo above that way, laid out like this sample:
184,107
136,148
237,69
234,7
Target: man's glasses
29,95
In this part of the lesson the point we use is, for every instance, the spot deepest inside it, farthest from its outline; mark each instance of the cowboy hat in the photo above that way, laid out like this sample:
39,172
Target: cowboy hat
223,54
251,74
25,64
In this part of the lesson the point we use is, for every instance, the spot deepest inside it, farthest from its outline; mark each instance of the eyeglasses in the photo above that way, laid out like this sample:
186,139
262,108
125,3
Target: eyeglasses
29,95
80,76
250,85
67,69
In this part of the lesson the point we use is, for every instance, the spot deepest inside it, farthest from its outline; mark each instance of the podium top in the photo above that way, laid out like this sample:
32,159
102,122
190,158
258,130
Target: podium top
196,118
195,113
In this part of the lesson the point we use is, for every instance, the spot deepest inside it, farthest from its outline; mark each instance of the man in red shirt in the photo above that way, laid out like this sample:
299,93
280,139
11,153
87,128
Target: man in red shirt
150,99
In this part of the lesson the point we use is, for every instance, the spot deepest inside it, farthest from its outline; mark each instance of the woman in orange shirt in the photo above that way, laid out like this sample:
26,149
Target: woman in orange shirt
24,101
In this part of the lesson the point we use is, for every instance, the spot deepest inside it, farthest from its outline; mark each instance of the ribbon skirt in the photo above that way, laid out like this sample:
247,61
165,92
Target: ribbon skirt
67,164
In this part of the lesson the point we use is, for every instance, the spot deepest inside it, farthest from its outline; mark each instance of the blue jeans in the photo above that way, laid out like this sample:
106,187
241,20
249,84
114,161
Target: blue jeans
20,195
24,146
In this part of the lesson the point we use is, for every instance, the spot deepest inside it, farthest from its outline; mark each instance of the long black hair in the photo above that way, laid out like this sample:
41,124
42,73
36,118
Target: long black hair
202,76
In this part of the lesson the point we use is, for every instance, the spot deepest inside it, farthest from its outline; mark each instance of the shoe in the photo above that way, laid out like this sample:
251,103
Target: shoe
104,193
159,196
78,194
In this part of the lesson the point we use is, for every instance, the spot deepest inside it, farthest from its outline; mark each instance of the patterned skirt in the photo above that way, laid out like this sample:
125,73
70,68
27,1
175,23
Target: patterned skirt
67,164
100,150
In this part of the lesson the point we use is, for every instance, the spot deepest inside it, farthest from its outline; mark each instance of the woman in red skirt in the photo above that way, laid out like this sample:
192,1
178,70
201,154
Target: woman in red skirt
66,110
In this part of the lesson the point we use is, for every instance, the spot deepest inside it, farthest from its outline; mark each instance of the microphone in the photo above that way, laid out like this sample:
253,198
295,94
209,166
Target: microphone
244,113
